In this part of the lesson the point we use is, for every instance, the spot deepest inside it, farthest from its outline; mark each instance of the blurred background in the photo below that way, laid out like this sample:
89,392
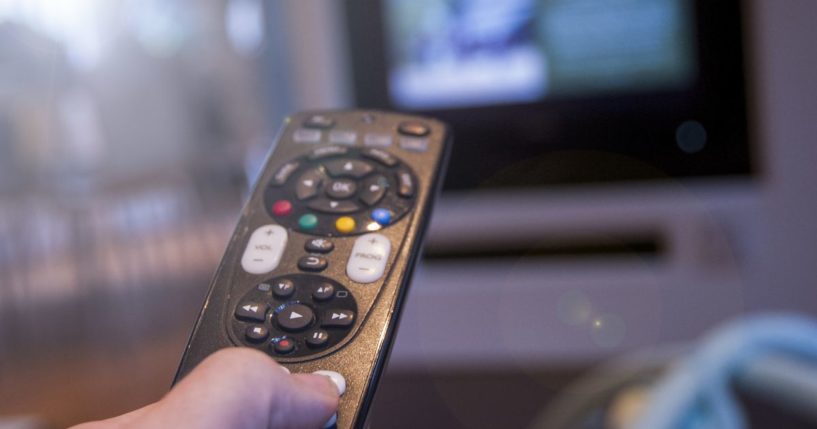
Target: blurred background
627,175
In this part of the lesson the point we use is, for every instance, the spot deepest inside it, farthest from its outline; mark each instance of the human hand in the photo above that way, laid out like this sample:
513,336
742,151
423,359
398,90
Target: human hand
237,388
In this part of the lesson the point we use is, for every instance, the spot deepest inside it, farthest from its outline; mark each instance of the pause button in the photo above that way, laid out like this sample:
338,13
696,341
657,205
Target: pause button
317,338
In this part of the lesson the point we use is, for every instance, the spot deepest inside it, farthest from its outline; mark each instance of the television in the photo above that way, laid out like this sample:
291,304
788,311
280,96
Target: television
543,92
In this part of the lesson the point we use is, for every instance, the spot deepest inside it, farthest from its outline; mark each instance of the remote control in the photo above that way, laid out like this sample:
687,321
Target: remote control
320,261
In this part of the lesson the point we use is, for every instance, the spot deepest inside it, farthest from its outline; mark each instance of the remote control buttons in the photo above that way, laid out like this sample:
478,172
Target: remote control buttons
264,249
338,180
343,137
345,224
317,338
281,208
333,206
380,156
313,312
414,144
376,139
309,184
257,333
284,346
367,263
373,189
324,292
405,183
256,311
282,175
312,263
308,222
348,168
382,216
319,245
319,122
283,288
413,128
304,135
338,318
328,151
295,317
341,188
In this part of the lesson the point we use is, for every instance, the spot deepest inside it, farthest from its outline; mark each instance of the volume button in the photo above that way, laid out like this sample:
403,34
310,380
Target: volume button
264,249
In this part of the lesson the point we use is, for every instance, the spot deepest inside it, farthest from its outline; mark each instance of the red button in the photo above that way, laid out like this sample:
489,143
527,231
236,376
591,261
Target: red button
281,208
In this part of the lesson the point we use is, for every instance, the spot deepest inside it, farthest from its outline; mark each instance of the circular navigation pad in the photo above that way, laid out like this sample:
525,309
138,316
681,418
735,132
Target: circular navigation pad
294,316
337,190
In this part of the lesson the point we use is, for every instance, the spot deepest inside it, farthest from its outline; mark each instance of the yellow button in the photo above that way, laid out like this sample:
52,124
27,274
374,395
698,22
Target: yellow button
345,224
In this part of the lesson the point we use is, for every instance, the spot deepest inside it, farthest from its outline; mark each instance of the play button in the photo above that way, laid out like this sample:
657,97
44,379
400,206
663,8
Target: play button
295,317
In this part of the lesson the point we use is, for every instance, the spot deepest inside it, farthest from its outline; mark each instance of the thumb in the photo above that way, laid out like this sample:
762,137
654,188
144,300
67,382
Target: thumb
238,388
309,403
244,388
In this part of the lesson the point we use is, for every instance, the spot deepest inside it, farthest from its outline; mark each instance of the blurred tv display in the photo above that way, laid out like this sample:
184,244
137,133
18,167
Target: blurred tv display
468,53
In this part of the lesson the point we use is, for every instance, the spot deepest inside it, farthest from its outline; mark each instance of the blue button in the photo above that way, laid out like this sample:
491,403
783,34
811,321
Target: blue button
381,216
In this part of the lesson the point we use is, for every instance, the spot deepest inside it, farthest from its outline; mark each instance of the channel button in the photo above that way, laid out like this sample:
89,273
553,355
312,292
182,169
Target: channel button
264,249
367,263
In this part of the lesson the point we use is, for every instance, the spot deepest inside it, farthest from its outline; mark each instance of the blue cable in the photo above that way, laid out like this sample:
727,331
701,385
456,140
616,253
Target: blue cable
696,394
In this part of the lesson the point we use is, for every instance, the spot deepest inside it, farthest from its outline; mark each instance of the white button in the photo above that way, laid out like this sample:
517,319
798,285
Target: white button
414,144
381,140
368,259
304,135
332,421
264,249
343,137
336,378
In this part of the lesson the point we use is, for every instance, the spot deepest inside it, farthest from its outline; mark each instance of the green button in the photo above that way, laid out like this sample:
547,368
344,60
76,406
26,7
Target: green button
308,221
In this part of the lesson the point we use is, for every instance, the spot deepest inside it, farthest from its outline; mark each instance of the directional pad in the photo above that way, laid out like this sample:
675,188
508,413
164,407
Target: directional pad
348,168
341,188
309,194
309,184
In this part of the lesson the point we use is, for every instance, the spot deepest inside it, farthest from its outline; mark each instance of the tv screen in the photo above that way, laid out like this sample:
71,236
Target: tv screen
444,54
543,92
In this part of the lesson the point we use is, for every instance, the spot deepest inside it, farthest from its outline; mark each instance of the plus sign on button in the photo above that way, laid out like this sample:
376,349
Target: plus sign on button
367,263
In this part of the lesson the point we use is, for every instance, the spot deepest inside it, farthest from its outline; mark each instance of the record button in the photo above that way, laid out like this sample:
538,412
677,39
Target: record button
284,346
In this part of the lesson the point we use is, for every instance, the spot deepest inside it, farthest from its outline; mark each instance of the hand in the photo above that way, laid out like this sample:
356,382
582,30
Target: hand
236,388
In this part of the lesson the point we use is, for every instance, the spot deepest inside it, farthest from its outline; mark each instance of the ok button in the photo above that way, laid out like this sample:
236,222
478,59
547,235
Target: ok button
341,188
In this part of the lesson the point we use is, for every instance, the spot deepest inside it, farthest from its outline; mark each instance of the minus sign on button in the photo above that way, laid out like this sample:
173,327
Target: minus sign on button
258,260
364,269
